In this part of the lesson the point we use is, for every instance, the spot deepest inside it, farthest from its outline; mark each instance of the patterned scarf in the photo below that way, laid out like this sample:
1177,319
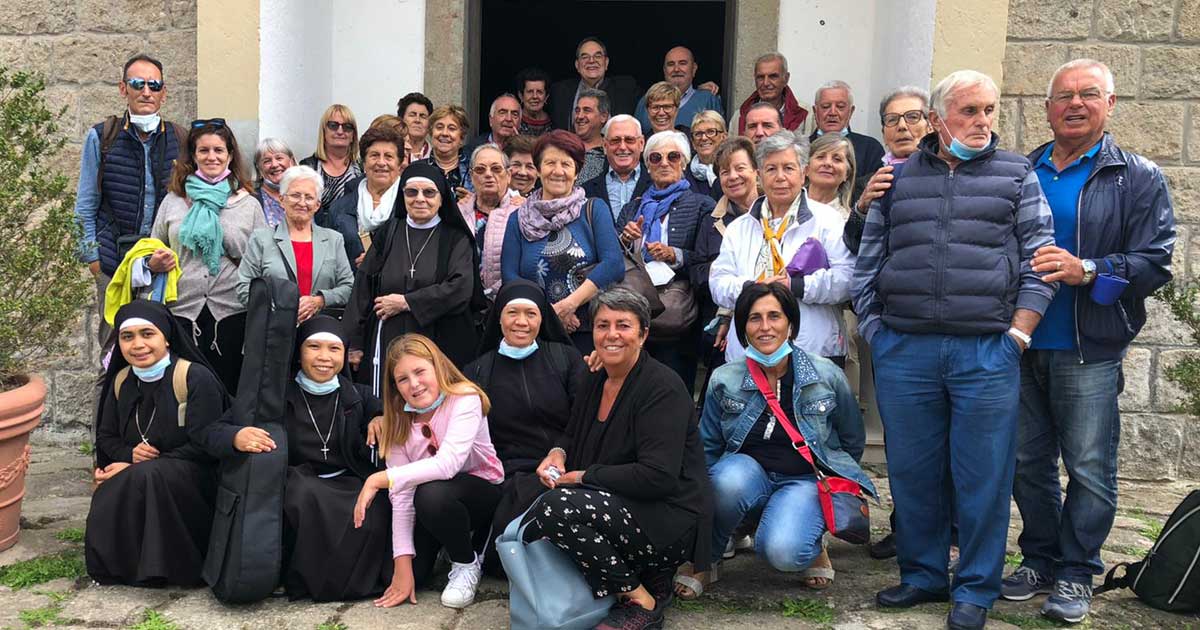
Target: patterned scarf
201,229
539,217
656,202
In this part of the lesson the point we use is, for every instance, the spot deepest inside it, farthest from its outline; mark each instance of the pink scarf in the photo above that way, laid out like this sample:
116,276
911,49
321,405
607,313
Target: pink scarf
539,217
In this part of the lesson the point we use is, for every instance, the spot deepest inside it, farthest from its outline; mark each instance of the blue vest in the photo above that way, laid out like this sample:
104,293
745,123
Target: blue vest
954,259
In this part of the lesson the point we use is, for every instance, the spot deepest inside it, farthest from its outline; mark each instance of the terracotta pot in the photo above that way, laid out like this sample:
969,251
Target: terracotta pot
20,411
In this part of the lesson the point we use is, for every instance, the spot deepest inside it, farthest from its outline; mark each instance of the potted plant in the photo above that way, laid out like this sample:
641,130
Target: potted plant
42,285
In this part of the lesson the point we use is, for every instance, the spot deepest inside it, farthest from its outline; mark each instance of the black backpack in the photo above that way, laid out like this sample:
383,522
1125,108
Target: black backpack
1169,576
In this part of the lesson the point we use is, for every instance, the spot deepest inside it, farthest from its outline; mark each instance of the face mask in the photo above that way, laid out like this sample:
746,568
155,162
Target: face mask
145,122
771,360
516,353
844,132
154,372
213,180
960,150
315,388
419,410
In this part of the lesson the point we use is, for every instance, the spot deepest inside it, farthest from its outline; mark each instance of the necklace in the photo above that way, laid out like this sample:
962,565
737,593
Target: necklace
328,434
137,419
412,267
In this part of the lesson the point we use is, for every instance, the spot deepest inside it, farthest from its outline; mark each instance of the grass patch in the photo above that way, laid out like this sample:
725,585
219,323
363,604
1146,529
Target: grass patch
1013,559
813,610
332,625
1021,620
71,535
686,605
87,448
67,564
154,620
40,617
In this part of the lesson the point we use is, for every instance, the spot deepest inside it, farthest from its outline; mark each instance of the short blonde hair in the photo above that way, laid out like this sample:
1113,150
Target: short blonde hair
663,91
451,111
709,116
347,116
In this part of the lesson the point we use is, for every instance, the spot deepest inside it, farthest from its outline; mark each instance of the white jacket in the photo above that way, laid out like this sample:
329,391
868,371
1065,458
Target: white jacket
820,331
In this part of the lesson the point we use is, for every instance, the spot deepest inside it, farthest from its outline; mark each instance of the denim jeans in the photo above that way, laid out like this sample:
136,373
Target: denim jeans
1067,409
789,534
949,408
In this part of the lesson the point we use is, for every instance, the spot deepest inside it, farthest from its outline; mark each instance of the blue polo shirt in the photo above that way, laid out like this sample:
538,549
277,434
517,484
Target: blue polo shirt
1062,187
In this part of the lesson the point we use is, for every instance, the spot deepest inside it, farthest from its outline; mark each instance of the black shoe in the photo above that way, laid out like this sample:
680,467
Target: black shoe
628,615
966,616
906,596
884,549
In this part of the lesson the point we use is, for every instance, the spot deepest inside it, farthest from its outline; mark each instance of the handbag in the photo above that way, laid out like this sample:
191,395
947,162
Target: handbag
636,279
546,591
847,515
679,310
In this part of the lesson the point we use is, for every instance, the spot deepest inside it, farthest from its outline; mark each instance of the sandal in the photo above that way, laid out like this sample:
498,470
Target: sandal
819,578
689,587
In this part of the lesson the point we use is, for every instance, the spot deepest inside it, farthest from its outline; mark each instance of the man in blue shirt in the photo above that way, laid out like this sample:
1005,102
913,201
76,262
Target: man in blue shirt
679,69
1112,216
623,178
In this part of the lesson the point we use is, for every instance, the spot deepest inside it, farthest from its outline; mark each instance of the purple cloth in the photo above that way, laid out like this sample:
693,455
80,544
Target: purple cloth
539,217
808,258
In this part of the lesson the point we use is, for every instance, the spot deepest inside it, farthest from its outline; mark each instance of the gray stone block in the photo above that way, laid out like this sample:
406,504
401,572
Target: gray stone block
1135,20
1053,19
1170,72
30,17
1029,66
89,58
1137,380
123,16
1151,445
1153,129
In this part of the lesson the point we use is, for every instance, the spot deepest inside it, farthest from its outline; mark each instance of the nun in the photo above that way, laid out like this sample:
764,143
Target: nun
325,557
421,275
152,507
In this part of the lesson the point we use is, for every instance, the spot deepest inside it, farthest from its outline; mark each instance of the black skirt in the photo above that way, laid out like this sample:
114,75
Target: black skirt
325,557
149,525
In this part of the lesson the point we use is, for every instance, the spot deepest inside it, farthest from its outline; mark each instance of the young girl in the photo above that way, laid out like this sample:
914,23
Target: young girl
443,474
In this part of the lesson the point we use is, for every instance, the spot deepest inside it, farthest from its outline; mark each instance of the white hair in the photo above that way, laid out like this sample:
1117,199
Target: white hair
782,141
488,145
772,56
492,109
301,173
1109,86
620,118
663,137
904,91
834,85
958,80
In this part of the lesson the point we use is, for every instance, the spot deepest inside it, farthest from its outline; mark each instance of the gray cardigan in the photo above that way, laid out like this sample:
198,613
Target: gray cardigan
197,287
269,254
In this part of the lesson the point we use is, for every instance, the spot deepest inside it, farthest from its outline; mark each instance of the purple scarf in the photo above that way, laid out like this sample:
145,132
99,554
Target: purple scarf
539,217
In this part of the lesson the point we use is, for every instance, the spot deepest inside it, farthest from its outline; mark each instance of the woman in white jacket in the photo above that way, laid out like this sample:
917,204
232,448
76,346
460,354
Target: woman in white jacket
759,245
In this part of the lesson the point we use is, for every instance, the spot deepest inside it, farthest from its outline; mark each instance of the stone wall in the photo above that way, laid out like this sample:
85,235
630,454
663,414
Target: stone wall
80,46
1153,49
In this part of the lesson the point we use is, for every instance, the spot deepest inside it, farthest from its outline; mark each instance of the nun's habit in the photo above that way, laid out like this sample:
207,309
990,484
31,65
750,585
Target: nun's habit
434,266
149,524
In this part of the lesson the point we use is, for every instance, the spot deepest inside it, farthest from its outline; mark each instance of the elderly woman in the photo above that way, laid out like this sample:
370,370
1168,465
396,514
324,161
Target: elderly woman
487,209
752,463
207,219
448,126
662,103
561,240
370,200
760,246
829,176
271,158
415,109
524,175
632,501
297,249
336,157
708,132
660,226
420,275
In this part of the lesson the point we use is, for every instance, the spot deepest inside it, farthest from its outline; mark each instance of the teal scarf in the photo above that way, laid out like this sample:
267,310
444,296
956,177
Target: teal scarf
201,229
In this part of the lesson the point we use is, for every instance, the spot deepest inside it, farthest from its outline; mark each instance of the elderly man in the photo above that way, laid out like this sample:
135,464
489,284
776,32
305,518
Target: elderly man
1112,218
834,106
760,122
591,62
624,178
533,85
771,78
948,298
504,118
591,112
679,69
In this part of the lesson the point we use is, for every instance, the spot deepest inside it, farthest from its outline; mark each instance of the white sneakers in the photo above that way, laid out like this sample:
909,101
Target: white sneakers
464,577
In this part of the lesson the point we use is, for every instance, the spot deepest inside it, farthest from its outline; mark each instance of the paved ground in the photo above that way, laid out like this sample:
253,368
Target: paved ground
750,596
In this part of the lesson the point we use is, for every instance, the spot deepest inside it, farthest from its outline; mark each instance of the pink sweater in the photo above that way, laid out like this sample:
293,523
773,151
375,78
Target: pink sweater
461,432
493,236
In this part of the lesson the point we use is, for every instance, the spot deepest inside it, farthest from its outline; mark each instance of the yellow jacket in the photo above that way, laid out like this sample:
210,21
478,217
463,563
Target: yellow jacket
120,289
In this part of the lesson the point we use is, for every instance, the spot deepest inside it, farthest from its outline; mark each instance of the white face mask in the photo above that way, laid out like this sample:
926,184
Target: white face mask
146,122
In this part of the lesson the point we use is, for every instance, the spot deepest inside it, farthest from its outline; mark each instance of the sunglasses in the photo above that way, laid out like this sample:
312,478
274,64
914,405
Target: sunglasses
428,434
137,84
496,169
674,157
208,122
413,193
334,125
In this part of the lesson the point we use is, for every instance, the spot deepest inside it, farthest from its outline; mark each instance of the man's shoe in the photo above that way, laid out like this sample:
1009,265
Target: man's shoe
1070,601
906,596
1025,583
885,548
966,616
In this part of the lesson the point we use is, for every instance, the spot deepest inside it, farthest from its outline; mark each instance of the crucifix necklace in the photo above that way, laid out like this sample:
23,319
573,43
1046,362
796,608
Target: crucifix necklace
412,267
328,434
137,419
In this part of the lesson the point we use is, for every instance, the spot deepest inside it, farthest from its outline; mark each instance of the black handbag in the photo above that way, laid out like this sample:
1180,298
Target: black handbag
636,279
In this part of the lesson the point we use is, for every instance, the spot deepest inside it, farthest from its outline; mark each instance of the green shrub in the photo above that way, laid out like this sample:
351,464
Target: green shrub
1181,298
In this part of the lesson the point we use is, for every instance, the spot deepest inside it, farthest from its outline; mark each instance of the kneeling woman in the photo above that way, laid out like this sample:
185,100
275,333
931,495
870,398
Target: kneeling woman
751,461
153,506
325,418
633,446
443,475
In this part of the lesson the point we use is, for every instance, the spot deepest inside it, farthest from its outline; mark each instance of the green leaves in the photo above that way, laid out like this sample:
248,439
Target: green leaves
1182,300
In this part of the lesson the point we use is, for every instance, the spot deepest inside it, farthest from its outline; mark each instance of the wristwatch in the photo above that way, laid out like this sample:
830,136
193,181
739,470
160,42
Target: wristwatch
1018,334
1089,271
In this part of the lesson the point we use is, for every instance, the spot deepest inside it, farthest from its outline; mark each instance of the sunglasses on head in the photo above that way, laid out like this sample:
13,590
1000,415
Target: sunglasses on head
208,122
674,157
138,83
334,125
428,435
413,193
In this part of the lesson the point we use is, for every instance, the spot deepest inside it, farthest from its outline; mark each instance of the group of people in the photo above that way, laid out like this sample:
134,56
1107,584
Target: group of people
581,318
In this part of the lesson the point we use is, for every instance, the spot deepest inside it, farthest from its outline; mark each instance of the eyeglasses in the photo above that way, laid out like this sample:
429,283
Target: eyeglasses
1090,95
334,125
295,197
428,434
413,193
674,157
137,84
912,117
662,107
495,169
617,141
593,57
208,122
709,134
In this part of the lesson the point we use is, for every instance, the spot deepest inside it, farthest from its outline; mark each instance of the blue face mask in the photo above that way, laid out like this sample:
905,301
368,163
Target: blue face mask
516,353
315,388
844,132
154,372
771,360
418,410
960,150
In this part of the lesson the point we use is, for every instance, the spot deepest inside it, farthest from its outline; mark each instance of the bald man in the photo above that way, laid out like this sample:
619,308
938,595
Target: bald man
679,69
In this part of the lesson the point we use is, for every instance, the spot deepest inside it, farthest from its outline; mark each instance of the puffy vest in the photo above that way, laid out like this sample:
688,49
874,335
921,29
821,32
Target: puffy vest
122,185
954,261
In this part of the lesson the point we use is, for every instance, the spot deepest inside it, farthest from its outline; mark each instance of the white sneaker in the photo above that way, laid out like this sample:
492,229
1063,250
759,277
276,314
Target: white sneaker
464,577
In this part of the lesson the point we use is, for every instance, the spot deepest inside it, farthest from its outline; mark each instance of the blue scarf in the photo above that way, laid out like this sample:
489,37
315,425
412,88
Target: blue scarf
201,229
655,204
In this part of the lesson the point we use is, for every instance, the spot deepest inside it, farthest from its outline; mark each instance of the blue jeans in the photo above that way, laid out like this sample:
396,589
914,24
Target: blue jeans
949,407
1070,409
789,534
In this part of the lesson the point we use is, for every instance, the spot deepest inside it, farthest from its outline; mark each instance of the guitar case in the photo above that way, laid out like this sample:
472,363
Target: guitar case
246,545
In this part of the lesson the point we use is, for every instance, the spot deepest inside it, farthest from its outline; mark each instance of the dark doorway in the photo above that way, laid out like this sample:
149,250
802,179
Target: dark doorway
543,33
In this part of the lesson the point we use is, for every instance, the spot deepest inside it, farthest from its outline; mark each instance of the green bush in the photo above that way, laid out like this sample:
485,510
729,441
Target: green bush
42,285
1182,300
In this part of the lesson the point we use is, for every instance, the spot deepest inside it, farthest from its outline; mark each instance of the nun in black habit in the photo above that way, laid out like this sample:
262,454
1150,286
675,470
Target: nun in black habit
421,275
152,508
324,557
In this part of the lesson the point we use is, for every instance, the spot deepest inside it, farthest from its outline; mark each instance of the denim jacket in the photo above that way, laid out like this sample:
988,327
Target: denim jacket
826,412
